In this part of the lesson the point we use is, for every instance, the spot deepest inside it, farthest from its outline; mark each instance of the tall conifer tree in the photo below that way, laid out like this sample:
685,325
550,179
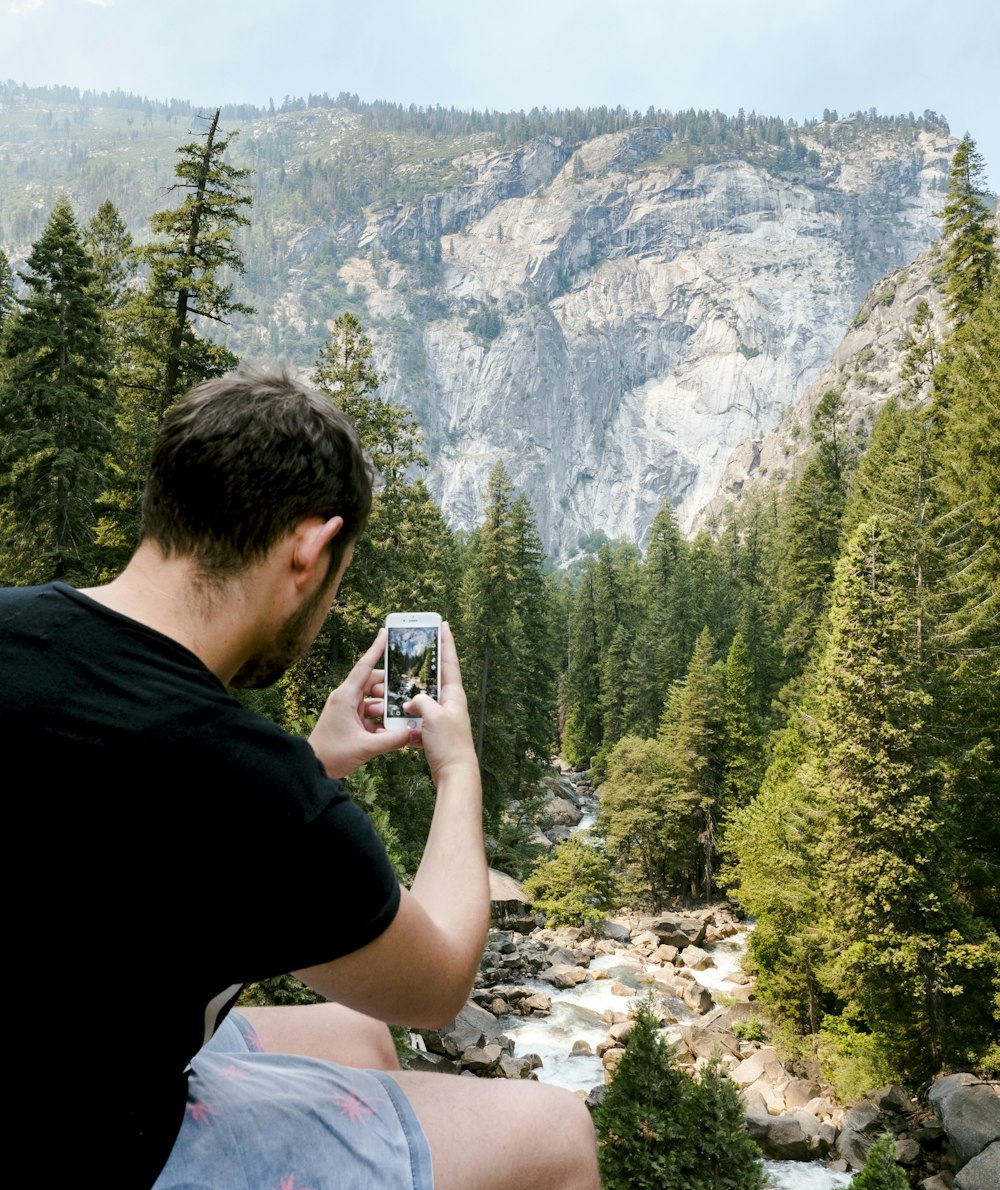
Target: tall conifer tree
969,233
55,413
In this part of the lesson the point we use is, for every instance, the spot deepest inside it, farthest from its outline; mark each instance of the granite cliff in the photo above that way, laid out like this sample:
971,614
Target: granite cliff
612,326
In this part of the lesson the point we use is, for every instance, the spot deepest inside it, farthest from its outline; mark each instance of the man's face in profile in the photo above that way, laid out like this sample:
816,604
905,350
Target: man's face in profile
292,641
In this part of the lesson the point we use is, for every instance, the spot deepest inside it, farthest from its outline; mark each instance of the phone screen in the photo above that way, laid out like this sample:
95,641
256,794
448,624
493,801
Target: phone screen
411,666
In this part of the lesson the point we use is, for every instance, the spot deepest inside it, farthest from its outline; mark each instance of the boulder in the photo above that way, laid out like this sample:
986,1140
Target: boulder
853,1148
621,1031
753,1102
800,1092
481,1059
616,931
564,976
773,1095
679,932
969,1109
537,1004
698,999
892,1099
939,1181
982,1172
907,1151
780,1137
696,958
704,1041
761,1064
581,1049
858,1133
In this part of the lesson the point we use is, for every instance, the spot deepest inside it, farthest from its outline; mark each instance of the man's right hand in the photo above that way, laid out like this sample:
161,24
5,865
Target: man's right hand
446,733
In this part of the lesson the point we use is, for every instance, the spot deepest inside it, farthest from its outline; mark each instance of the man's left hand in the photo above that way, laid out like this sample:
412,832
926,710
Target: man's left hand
348,732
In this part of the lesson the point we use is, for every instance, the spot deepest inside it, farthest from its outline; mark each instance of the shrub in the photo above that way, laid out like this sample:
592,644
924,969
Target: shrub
573,886
658,1129
881,1171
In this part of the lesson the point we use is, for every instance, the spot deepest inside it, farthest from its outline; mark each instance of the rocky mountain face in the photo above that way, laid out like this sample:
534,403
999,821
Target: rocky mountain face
611,314
865,369
612,326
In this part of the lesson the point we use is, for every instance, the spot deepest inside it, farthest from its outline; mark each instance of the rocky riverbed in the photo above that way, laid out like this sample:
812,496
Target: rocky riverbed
557,1005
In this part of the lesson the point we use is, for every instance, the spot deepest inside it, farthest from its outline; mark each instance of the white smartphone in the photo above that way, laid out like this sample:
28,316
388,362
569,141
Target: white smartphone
412,662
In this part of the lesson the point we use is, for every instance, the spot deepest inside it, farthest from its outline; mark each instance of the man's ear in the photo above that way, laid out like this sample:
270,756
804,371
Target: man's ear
311,539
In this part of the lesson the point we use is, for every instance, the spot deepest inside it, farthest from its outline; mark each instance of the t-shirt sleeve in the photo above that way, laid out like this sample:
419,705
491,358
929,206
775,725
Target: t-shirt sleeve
319,883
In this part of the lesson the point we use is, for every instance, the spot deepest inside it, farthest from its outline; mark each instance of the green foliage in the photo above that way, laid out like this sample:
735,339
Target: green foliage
574,886
881,1171
507,648
279,989
486,322
7,298
752,1029
55,414
154,330
969,233
660,1130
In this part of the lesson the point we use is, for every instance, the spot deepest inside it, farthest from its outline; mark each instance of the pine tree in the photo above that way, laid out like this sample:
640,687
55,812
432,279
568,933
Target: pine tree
536,668
969,233
580,693
773,871
811,523
641,1129
743,745
186,293
658,1129
54,413
966,418
7,300
691,732
492,640
187,266
881,1171
910,943
921,348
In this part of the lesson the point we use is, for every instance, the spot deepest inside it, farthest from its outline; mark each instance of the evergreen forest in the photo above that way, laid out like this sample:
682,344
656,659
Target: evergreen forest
799,708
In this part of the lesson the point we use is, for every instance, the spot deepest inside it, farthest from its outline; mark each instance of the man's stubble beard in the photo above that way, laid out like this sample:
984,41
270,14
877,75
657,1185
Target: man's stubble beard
290,645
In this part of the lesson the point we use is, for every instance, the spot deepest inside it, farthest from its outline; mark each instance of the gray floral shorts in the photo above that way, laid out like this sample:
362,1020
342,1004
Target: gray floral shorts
260,1121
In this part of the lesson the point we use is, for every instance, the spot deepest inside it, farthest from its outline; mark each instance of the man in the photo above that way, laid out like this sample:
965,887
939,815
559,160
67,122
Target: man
156,802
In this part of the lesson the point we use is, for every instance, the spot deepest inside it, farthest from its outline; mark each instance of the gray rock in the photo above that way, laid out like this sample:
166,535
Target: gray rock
862,1117
893,1099
907,1151
854,1147
762,1063
800,1091
679,932
481,1059
696,958
982,1172
615,931
697,998
780,1137
970,1112
708,1042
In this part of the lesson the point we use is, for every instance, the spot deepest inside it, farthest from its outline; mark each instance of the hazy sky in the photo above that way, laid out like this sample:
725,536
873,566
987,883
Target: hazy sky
790,58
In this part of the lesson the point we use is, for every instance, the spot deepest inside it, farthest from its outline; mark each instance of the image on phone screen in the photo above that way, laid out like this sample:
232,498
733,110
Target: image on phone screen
411,667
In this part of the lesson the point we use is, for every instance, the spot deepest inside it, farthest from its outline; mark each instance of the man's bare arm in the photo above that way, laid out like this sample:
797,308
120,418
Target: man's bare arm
421,969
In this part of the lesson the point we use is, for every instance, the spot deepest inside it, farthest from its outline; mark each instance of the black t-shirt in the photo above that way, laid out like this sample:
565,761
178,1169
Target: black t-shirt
174,847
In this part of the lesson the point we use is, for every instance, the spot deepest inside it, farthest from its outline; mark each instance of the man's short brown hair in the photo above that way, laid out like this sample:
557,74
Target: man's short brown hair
241,460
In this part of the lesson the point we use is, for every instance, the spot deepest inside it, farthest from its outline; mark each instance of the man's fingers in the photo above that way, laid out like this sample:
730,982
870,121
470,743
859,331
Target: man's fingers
361,674
451,673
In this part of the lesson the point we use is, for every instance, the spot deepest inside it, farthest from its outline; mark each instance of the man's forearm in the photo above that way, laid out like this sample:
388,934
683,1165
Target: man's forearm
452,883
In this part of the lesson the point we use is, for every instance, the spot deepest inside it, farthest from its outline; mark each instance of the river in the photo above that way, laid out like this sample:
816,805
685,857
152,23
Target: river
577,1016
